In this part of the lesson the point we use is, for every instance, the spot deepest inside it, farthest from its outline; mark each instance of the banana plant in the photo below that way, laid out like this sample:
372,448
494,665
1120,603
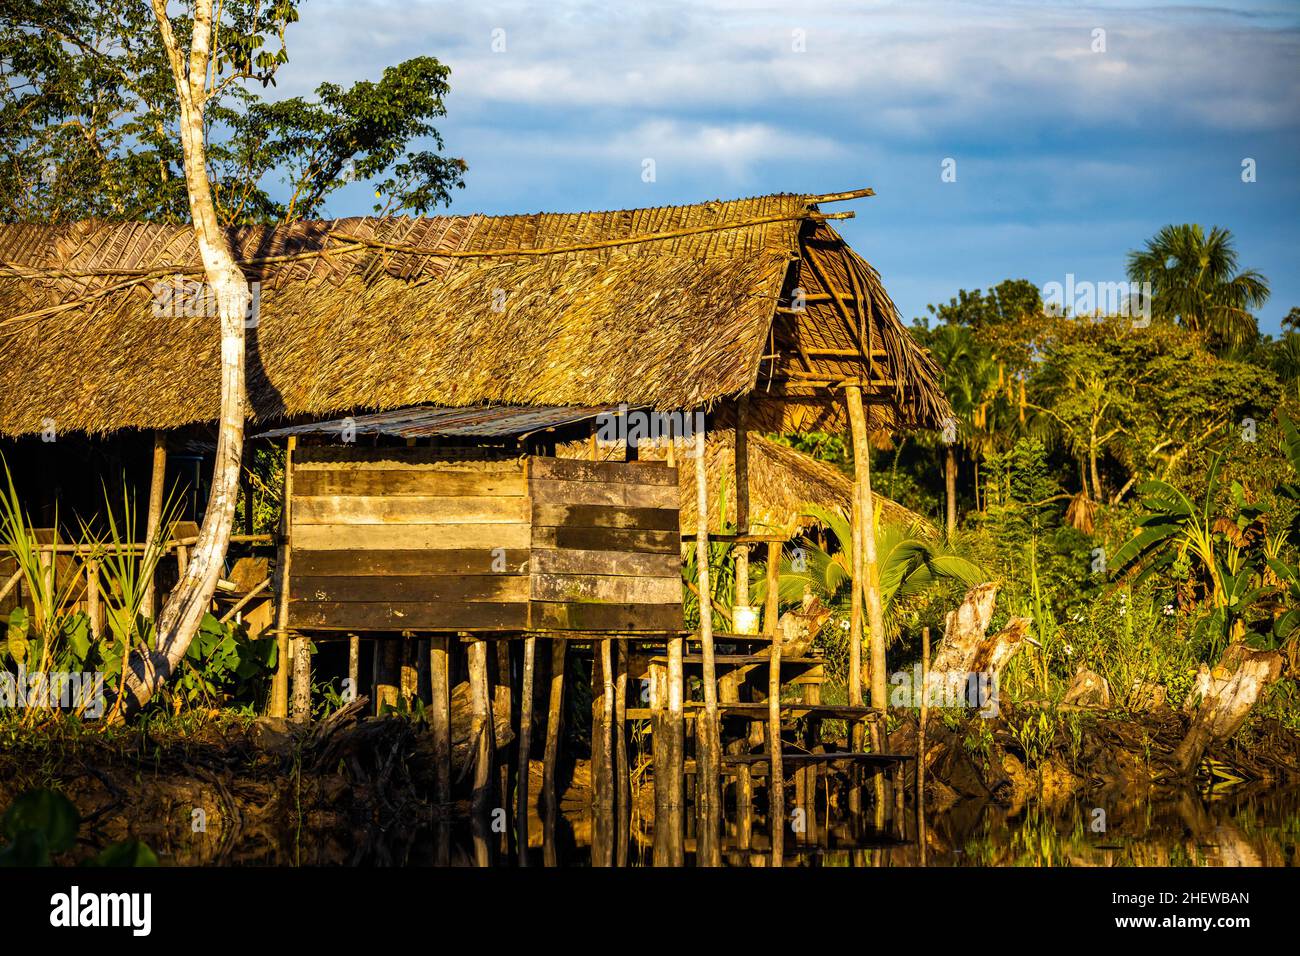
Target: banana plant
909,565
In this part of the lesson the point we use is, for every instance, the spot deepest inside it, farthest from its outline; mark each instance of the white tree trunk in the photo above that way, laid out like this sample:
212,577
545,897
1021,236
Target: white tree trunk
180,617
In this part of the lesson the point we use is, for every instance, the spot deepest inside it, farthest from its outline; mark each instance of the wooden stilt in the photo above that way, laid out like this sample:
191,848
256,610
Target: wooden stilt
622,774
709,753
440,716
525,747
920,742
301,679
157,488
661,758
776,768
386,673
280,683
502,710
94,609
675,785
554,722
480,732
605,793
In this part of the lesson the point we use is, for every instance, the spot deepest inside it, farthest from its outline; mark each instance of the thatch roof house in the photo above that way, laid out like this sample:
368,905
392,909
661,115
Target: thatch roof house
673,307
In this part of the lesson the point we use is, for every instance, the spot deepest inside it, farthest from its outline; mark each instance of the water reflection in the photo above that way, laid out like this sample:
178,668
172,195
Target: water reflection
1239,828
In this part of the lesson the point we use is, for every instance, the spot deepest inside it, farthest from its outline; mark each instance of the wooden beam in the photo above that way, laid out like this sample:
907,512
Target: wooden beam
157,488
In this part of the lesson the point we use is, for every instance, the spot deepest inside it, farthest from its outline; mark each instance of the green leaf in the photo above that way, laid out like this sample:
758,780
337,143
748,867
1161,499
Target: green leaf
46,811
29,848
17,634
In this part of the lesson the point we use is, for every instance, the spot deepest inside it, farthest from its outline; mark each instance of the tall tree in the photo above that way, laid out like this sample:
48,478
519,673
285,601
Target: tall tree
1195,281
88,112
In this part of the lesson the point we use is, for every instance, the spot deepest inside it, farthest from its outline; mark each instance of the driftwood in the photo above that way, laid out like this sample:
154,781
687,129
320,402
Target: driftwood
967,653
1087,689
1222,698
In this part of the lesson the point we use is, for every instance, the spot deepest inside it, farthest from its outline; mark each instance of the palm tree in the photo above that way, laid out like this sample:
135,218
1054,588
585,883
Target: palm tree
1194,280
909,564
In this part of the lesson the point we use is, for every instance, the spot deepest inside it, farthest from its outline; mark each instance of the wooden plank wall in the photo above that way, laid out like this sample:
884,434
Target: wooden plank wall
403,539
606,546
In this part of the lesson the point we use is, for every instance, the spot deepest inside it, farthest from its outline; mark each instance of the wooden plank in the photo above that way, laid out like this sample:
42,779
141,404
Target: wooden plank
382,509
505,561
574,469
605,617
604,516
607,539
510,561
454,588
408,481
340,457
604,588
410,537
635,564
326,615
556,491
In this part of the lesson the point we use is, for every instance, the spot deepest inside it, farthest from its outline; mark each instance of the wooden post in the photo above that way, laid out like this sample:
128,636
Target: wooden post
602,753
554,722
920,742
354,665
525,746
742,499
776,767
440,716
675,785
623,788
157,487
280,683
302,679
408,681
708,756
385,673
93,608
480,733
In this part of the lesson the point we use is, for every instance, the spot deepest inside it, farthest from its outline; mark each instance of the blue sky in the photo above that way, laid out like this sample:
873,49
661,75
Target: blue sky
1066,157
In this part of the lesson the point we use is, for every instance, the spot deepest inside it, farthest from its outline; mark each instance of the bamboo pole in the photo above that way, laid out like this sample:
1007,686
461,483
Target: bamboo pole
554,723
708,756
280,683
920,742
481,733
525,746
157,487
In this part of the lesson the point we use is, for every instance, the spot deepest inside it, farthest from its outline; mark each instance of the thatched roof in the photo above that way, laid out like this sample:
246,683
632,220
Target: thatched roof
782,482
673,307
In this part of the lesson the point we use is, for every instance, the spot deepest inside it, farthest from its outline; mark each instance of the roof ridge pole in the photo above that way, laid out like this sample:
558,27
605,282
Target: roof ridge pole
848,194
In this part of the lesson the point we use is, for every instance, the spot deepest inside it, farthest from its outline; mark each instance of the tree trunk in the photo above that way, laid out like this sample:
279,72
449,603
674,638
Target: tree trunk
950,487
180,618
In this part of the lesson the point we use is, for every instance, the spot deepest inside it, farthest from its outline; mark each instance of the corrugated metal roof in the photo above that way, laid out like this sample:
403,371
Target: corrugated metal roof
490,421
